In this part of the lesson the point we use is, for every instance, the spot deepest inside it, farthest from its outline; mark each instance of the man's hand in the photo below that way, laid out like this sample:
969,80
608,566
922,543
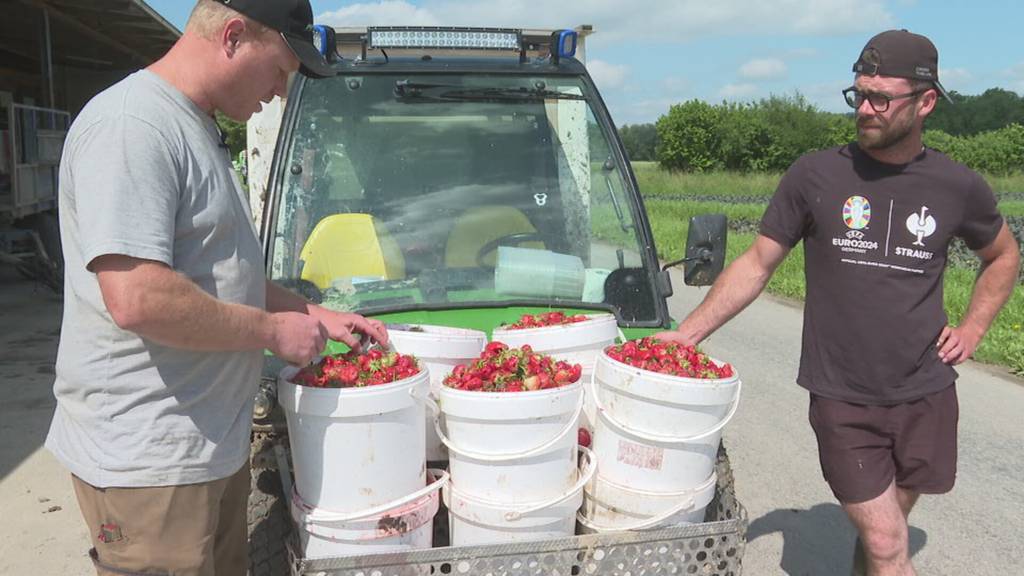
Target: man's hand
344,326
297,338
675,336
957,344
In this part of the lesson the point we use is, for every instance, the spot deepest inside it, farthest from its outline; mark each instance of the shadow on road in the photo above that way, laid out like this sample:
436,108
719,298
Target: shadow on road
818,541
30,315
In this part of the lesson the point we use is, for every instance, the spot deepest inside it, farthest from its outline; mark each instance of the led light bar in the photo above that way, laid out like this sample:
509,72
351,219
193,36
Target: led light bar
445,38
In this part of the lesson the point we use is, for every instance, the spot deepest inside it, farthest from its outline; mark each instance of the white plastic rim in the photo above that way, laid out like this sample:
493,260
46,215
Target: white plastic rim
439,342
570,427
313,515
346,402
658,432
624,508
512,447
344,442
649,405
439,349
505,512
408,526
659,438
595,333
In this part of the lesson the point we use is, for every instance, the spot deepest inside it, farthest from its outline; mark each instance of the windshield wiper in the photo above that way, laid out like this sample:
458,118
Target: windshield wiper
405,90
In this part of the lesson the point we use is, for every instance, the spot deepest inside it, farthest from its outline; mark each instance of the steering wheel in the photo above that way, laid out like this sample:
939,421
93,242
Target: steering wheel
506,240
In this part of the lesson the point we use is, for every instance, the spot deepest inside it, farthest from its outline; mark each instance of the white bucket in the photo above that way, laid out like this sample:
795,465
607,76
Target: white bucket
609,507
578,343
399,526
514,448
440,349
356,448
655,432
474,521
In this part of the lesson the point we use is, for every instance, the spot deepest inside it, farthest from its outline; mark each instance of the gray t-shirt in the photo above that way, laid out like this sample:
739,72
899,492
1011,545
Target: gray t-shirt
143,175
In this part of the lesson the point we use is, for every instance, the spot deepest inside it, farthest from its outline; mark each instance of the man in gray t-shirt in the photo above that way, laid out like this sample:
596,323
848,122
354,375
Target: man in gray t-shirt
167,306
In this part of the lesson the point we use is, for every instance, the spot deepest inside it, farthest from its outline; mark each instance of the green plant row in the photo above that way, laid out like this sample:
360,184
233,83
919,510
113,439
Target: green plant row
655,181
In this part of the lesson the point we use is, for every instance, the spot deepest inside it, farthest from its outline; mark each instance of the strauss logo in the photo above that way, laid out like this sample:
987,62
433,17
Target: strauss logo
921,225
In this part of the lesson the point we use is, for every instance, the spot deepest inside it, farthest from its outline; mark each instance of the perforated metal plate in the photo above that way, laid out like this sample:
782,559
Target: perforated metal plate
712,548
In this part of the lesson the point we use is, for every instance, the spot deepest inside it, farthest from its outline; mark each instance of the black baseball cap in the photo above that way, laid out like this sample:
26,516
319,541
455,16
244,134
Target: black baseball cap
294,20
902,54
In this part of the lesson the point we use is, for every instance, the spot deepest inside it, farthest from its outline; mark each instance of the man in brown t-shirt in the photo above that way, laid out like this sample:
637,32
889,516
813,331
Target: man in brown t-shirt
876,218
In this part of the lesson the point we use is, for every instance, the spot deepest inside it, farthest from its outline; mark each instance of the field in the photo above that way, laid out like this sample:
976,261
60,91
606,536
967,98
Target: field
672,198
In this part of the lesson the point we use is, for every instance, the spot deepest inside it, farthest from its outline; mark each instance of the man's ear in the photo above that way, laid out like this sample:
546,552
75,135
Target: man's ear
231,35
928,101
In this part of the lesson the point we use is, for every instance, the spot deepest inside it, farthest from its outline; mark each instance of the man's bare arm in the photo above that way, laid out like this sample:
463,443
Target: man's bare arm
735,289
152,300
1000,265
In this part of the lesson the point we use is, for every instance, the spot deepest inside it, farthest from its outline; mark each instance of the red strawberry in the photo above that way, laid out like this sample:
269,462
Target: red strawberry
583,437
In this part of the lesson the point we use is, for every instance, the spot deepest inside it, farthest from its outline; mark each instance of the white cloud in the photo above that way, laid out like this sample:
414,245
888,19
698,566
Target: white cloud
828,96
737,91
657,20
764,69
956,78
675,84
1014,75
606,75
385,13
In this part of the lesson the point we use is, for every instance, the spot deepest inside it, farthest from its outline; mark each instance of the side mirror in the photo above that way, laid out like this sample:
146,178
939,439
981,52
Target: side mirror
705,250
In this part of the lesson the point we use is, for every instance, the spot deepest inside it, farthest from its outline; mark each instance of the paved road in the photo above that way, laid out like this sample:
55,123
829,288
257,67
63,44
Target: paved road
795,526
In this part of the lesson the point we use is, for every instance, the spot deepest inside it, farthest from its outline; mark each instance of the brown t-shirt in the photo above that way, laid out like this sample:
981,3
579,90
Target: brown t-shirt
875,241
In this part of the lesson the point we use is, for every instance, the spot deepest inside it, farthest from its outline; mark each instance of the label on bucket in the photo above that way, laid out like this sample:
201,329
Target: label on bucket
640,456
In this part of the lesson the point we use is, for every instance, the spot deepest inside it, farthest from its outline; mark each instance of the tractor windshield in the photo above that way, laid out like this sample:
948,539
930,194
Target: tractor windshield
406,191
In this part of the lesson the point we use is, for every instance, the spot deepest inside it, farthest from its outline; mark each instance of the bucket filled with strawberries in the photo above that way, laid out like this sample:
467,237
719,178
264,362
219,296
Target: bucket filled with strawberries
348,416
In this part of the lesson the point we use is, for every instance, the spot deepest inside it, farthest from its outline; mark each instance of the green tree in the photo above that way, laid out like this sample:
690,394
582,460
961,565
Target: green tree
689,137
640,141
969,115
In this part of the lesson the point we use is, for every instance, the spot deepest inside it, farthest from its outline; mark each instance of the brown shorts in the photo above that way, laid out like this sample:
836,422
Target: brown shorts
862,448
190,530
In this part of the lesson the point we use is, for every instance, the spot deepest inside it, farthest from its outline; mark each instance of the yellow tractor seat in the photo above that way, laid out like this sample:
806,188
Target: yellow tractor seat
350,246
478,226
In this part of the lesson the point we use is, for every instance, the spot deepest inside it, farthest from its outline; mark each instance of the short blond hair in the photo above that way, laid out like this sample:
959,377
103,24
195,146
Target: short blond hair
209,17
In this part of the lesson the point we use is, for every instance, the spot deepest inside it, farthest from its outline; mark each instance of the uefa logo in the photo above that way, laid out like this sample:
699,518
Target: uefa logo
857,212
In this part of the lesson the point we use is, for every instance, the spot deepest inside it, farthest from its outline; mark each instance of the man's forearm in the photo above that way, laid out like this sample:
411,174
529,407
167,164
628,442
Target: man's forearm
735,289
163,306
992,288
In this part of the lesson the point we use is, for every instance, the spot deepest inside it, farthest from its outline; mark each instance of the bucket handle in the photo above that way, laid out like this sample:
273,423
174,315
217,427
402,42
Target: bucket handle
584,478
569,427
315,515
665,439
685,506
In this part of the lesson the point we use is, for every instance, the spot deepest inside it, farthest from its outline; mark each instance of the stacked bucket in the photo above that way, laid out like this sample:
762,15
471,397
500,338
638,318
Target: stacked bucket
513,463
439,349
352,495
656,441
579,343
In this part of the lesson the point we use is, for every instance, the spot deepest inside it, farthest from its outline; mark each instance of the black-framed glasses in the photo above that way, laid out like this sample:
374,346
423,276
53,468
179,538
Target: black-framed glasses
879,102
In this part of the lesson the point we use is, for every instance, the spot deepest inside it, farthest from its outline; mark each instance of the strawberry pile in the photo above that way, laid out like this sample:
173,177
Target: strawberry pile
504,369
545,319
351,370
668,358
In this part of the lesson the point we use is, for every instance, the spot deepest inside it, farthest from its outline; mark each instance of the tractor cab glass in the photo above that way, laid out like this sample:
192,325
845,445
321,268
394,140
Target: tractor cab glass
405,191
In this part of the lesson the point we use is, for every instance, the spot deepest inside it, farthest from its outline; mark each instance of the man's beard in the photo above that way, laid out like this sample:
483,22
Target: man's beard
882,136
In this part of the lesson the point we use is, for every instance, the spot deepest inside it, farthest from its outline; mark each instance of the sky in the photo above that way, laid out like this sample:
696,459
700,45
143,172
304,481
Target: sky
646,55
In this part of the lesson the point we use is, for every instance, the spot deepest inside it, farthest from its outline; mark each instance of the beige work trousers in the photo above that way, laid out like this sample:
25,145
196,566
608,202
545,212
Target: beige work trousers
189,530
